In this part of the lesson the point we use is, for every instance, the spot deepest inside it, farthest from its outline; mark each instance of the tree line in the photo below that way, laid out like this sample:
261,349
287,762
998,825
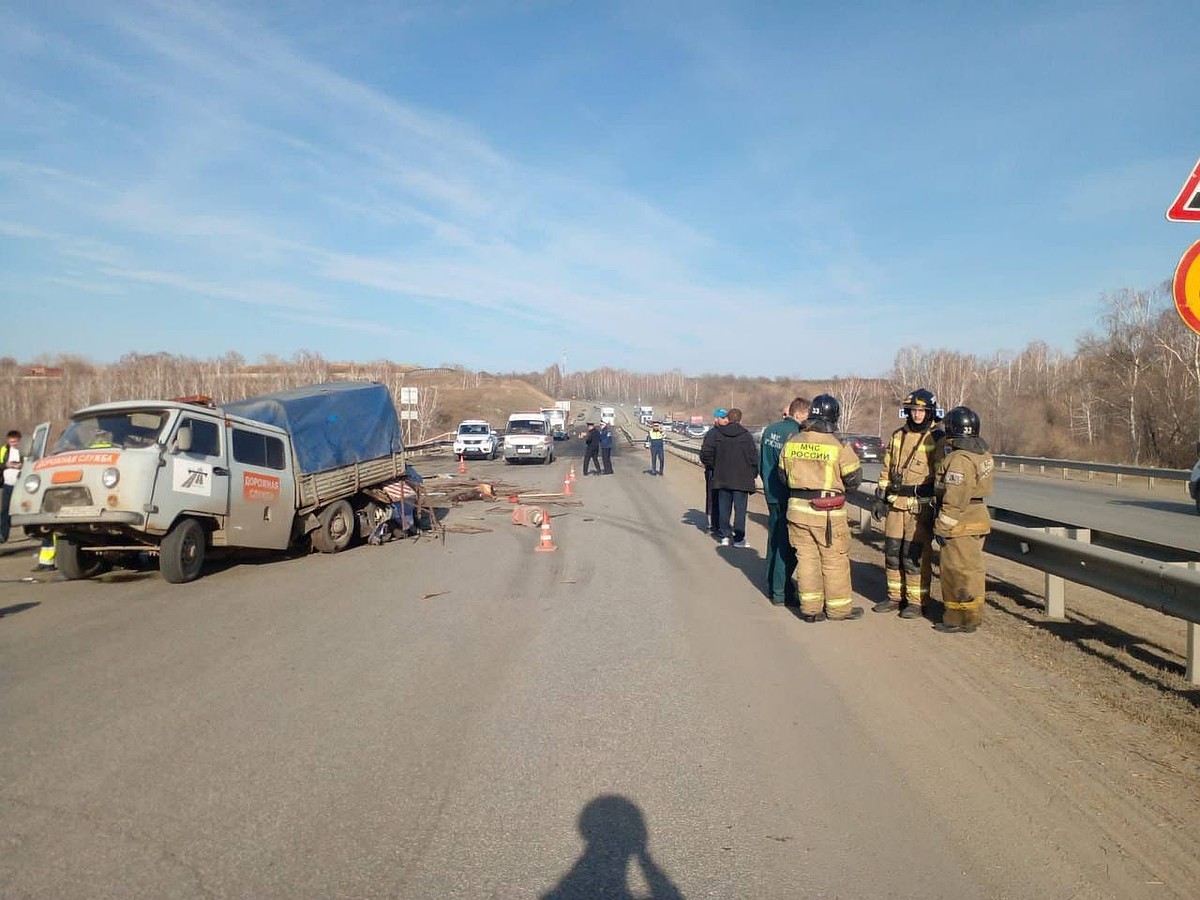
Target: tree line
1129,393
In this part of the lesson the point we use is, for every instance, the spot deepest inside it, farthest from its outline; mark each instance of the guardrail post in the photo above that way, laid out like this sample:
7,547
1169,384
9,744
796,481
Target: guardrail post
1192,672
1056,585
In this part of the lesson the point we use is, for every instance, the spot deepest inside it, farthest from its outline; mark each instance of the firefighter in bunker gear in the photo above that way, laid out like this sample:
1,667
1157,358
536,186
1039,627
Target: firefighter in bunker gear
905,497
818,470
963,479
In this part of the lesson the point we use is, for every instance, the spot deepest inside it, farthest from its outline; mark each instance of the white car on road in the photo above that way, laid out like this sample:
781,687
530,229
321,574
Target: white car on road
476,438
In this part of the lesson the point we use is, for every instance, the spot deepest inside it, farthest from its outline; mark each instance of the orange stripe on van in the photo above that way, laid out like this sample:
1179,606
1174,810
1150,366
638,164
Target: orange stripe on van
66,476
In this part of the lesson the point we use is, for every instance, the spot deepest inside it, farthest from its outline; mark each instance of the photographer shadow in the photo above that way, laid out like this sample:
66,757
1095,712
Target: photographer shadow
615,832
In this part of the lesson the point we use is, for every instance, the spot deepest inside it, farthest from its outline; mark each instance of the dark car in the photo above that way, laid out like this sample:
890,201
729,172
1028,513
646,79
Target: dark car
866,447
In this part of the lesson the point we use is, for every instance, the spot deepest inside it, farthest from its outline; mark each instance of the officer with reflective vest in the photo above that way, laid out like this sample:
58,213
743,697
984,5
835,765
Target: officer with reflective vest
904,499
655,441
818,470
963,480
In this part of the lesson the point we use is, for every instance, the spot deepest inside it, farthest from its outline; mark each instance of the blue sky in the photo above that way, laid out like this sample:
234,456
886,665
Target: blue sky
792,189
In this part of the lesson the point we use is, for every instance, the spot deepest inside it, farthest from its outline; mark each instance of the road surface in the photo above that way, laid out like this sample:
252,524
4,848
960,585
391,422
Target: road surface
625,717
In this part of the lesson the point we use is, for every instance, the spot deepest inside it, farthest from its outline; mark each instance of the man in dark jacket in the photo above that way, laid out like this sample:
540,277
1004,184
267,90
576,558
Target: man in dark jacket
734,468
606,447
706,453
592,448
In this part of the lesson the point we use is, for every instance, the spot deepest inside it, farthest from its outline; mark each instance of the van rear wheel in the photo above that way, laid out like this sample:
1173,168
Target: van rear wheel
75,564
181,553
335,528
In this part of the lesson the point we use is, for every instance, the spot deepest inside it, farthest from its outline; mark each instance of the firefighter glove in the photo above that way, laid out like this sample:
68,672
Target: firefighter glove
879,507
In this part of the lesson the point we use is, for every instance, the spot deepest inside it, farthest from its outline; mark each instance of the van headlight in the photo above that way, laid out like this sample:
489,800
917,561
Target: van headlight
110,477
33,484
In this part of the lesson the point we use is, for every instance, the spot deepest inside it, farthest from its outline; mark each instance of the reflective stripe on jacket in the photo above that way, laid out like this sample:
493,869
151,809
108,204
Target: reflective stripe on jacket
816,461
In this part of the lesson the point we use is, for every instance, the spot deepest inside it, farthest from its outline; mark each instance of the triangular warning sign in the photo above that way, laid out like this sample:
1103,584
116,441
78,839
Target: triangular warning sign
1186,207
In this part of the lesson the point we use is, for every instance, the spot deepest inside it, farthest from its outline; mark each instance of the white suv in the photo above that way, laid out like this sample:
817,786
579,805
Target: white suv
476,438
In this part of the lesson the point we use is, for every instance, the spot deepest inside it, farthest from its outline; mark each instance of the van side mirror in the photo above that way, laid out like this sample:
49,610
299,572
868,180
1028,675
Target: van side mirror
183,439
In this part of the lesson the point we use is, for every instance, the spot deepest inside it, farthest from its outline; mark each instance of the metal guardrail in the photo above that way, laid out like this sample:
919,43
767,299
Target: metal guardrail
1172,590
1071,465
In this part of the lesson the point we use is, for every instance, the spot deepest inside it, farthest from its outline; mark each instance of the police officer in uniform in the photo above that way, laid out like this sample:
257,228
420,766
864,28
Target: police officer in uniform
904,499
655,440
963,479
818,470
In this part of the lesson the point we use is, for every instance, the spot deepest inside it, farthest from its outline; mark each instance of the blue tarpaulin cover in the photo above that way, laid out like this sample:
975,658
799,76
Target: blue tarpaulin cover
331,425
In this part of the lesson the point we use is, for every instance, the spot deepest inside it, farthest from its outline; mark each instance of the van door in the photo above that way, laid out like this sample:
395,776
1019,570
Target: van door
262,502
197,476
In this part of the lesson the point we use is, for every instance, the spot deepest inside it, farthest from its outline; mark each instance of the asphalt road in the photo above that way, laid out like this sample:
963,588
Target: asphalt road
623,717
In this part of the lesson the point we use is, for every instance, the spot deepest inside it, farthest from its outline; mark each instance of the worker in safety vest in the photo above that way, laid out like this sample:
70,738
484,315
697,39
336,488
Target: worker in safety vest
963,479
904,500
819,469
655,440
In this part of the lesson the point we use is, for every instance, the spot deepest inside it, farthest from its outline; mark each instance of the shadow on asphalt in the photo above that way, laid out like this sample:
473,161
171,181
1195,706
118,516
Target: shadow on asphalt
614,830
16,608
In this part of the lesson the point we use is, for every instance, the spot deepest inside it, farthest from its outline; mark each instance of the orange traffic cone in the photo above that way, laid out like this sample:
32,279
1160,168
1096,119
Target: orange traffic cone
547,543
571,474
462,465
567,487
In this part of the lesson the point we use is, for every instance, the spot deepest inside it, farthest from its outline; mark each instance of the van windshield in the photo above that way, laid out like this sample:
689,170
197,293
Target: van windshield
472,429
527,426
138,428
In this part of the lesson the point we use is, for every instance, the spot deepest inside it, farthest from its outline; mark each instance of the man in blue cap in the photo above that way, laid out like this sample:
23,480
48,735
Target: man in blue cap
708,450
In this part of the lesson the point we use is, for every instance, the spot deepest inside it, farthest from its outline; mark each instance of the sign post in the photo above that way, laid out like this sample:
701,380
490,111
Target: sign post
408,410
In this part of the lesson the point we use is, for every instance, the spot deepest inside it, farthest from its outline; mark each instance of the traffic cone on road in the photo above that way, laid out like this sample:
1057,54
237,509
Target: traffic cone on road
567,487
546,545
462,465
571,474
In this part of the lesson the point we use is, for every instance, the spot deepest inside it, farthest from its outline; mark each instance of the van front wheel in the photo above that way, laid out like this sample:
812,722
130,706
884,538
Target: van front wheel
76,565
181,553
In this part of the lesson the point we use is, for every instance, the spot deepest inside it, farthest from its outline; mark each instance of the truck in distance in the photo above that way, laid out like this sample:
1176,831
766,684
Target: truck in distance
607,415
558,422
177,478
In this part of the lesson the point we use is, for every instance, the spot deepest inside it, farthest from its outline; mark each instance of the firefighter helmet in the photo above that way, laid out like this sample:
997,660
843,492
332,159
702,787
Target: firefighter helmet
962,421
921,398
826,408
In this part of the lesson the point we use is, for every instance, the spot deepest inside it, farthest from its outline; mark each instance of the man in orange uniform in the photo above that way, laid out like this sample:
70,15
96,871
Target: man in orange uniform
818,470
